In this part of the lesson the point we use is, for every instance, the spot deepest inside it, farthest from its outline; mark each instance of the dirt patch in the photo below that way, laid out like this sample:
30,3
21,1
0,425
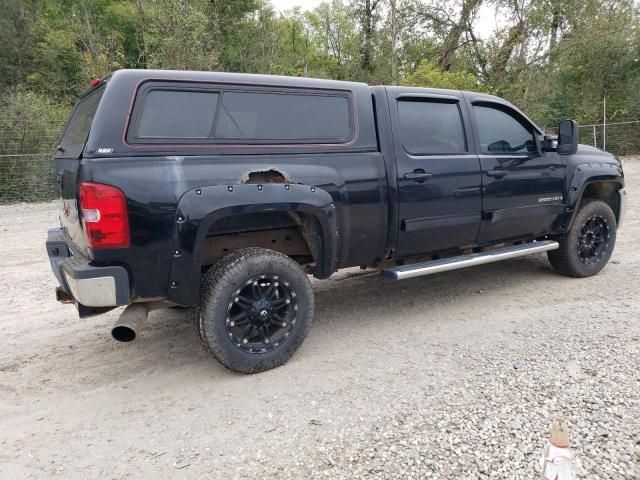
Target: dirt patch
456,375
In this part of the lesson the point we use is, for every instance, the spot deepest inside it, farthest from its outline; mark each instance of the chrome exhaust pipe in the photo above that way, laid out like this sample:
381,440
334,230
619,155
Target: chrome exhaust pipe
129,325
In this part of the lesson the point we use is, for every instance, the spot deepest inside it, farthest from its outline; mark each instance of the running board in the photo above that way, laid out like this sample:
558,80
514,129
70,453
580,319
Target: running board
403,272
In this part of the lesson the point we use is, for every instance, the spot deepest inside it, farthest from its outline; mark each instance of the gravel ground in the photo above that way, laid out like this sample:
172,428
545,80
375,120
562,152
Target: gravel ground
453,376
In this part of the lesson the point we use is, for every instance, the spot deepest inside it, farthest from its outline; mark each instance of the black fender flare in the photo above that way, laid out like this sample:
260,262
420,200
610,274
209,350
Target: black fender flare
583,175
200,208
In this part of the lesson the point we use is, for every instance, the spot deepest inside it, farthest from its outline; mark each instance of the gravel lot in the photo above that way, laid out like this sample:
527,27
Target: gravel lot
452,376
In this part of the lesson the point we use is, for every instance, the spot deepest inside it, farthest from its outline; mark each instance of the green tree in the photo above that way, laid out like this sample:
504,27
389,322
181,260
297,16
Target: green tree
333,30
429,74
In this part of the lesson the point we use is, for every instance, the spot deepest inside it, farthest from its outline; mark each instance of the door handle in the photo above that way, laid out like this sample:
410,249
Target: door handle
418,176
497,173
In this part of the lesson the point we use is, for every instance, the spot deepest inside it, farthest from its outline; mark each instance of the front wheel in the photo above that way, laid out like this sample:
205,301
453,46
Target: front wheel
586,248
255,309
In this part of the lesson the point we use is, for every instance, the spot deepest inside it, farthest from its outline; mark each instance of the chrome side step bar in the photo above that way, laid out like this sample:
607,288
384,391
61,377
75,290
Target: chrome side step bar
454,263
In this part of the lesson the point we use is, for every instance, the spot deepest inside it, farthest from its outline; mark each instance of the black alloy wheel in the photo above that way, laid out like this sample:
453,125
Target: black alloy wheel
593,240
261,314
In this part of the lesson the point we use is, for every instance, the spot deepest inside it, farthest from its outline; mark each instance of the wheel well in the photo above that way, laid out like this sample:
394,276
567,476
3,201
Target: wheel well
290,233
605,191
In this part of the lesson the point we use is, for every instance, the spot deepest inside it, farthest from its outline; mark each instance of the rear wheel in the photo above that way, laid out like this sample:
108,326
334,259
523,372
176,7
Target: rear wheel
255,309
588,245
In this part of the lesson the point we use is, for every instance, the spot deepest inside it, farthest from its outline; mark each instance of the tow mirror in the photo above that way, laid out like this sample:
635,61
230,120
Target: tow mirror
568,137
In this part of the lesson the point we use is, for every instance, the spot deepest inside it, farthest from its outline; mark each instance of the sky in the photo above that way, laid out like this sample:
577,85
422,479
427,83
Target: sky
485,24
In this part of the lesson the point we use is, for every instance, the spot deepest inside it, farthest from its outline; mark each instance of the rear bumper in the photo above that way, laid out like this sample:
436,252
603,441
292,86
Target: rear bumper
88,285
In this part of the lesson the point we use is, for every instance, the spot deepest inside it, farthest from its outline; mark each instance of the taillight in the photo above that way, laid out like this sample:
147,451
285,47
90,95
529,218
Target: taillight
104,216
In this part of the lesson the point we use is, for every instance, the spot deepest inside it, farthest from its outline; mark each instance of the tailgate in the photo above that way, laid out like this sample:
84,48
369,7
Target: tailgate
68,209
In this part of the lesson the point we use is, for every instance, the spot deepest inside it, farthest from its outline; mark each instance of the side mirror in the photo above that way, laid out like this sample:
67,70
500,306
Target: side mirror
568,137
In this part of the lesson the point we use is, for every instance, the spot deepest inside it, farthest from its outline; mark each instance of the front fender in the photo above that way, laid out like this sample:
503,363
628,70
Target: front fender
200,208
583,175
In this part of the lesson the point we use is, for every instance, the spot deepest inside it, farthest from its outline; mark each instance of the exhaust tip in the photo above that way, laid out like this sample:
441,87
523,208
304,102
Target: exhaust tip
123,333
130,323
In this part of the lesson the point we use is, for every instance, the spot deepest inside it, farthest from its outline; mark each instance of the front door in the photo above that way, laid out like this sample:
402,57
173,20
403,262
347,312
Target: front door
522,187
438,173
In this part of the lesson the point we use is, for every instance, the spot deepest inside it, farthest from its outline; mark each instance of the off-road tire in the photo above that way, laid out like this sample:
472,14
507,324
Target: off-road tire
566,259
220,284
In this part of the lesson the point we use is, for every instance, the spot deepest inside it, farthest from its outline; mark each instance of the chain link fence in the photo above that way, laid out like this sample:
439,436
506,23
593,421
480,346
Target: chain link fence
27,177
618,134
620,138
27,172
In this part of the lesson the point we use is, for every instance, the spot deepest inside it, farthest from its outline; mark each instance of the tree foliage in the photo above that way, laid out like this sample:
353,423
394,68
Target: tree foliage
559,58
428,74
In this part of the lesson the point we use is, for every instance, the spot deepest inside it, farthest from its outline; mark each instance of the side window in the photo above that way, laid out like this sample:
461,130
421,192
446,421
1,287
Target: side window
176,114
500,132
209,113
77,131
283,117
431,127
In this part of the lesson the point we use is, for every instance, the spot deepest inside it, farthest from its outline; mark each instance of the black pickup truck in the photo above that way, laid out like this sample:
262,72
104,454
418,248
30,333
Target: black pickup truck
221,192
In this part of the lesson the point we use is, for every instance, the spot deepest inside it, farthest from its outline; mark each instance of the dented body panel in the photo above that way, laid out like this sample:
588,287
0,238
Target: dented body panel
157,187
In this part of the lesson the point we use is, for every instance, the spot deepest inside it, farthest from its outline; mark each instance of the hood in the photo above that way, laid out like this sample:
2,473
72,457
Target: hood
591,151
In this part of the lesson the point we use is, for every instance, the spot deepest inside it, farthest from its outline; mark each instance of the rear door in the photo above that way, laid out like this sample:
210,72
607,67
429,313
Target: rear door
522,186
67,160
438,173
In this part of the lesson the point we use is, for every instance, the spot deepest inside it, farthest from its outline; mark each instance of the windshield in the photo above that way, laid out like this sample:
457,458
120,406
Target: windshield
77,130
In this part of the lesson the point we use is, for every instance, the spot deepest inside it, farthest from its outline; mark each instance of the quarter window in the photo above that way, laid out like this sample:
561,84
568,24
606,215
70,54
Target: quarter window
500,132
77,131
283,117
177,114
431,127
